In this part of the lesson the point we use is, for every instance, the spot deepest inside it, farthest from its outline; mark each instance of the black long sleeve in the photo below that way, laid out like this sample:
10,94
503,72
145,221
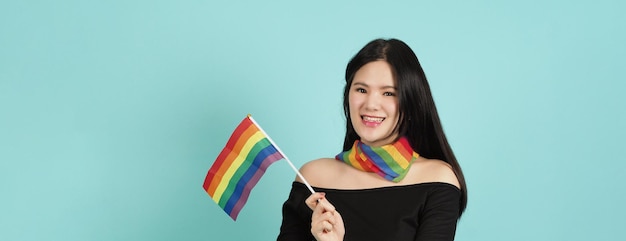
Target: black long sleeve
438,219
296,223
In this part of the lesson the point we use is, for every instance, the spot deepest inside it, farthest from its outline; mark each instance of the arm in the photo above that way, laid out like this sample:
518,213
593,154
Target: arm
296,224
440,215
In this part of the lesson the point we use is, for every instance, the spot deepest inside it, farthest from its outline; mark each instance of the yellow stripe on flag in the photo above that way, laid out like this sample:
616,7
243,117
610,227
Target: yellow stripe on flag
256,137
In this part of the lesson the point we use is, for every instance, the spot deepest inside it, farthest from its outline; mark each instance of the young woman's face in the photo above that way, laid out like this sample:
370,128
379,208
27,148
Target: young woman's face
373,104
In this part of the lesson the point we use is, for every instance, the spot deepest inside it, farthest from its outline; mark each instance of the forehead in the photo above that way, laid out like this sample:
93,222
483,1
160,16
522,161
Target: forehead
376,73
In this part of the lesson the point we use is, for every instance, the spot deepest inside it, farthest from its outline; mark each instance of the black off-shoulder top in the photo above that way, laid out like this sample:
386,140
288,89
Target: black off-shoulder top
424,212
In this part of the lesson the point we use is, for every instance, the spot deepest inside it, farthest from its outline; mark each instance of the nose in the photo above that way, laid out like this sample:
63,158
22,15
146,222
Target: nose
372,102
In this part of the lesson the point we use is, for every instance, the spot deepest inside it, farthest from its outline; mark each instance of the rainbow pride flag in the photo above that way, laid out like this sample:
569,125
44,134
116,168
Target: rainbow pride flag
239,167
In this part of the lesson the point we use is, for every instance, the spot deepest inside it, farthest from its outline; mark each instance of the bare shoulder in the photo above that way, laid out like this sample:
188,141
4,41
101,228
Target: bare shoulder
433,170
320,171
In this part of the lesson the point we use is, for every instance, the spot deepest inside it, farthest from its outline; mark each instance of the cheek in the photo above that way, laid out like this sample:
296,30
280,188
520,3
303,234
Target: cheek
353,102
392,108
353,105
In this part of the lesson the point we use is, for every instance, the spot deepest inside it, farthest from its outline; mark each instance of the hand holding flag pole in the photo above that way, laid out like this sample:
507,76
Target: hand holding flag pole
240,165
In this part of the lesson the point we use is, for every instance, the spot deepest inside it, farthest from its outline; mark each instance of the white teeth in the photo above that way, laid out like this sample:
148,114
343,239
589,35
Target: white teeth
373,119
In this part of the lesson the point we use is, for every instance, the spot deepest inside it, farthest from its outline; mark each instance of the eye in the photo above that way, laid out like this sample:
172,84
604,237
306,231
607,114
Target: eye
360,90
389,93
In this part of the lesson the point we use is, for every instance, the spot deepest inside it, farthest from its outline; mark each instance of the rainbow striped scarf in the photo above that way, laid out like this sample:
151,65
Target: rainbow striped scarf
390,161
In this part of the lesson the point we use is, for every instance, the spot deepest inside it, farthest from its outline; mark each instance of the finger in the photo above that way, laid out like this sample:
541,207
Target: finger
337,217
321,227
321,216
318,212
327,216
312,200
325,205
330,216
321,222
338,224
327,227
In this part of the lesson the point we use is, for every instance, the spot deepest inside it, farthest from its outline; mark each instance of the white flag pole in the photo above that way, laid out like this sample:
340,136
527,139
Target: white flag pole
283,154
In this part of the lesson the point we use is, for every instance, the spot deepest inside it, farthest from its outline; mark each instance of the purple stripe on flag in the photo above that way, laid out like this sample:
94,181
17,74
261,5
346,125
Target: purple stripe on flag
253,181
249,168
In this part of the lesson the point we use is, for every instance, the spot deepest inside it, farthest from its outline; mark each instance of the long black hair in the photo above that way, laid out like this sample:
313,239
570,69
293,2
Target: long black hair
418,119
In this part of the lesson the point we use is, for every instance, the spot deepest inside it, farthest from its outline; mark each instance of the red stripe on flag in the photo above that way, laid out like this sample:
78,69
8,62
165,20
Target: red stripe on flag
241,134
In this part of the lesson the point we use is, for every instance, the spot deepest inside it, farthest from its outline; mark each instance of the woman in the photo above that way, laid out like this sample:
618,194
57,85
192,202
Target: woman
397,177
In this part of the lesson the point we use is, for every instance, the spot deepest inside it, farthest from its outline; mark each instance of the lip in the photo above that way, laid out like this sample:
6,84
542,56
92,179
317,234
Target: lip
367,120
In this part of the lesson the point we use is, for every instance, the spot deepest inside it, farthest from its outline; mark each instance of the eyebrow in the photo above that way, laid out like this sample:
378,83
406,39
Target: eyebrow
365,85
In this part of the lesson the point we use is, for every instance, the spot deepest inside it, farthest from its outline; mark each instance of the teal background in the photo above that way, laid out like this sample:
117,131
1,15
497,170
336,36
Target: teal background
111,112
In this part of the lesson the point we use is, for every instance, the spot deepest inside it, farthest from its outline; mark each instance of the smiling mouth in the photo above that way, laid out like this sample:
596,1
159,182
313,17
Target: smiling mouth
372,119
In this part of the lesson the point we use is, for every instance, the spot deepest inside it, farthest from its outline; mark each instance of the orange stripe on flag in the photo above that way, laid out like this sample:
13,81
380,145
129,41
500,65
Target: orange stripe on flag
232,155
